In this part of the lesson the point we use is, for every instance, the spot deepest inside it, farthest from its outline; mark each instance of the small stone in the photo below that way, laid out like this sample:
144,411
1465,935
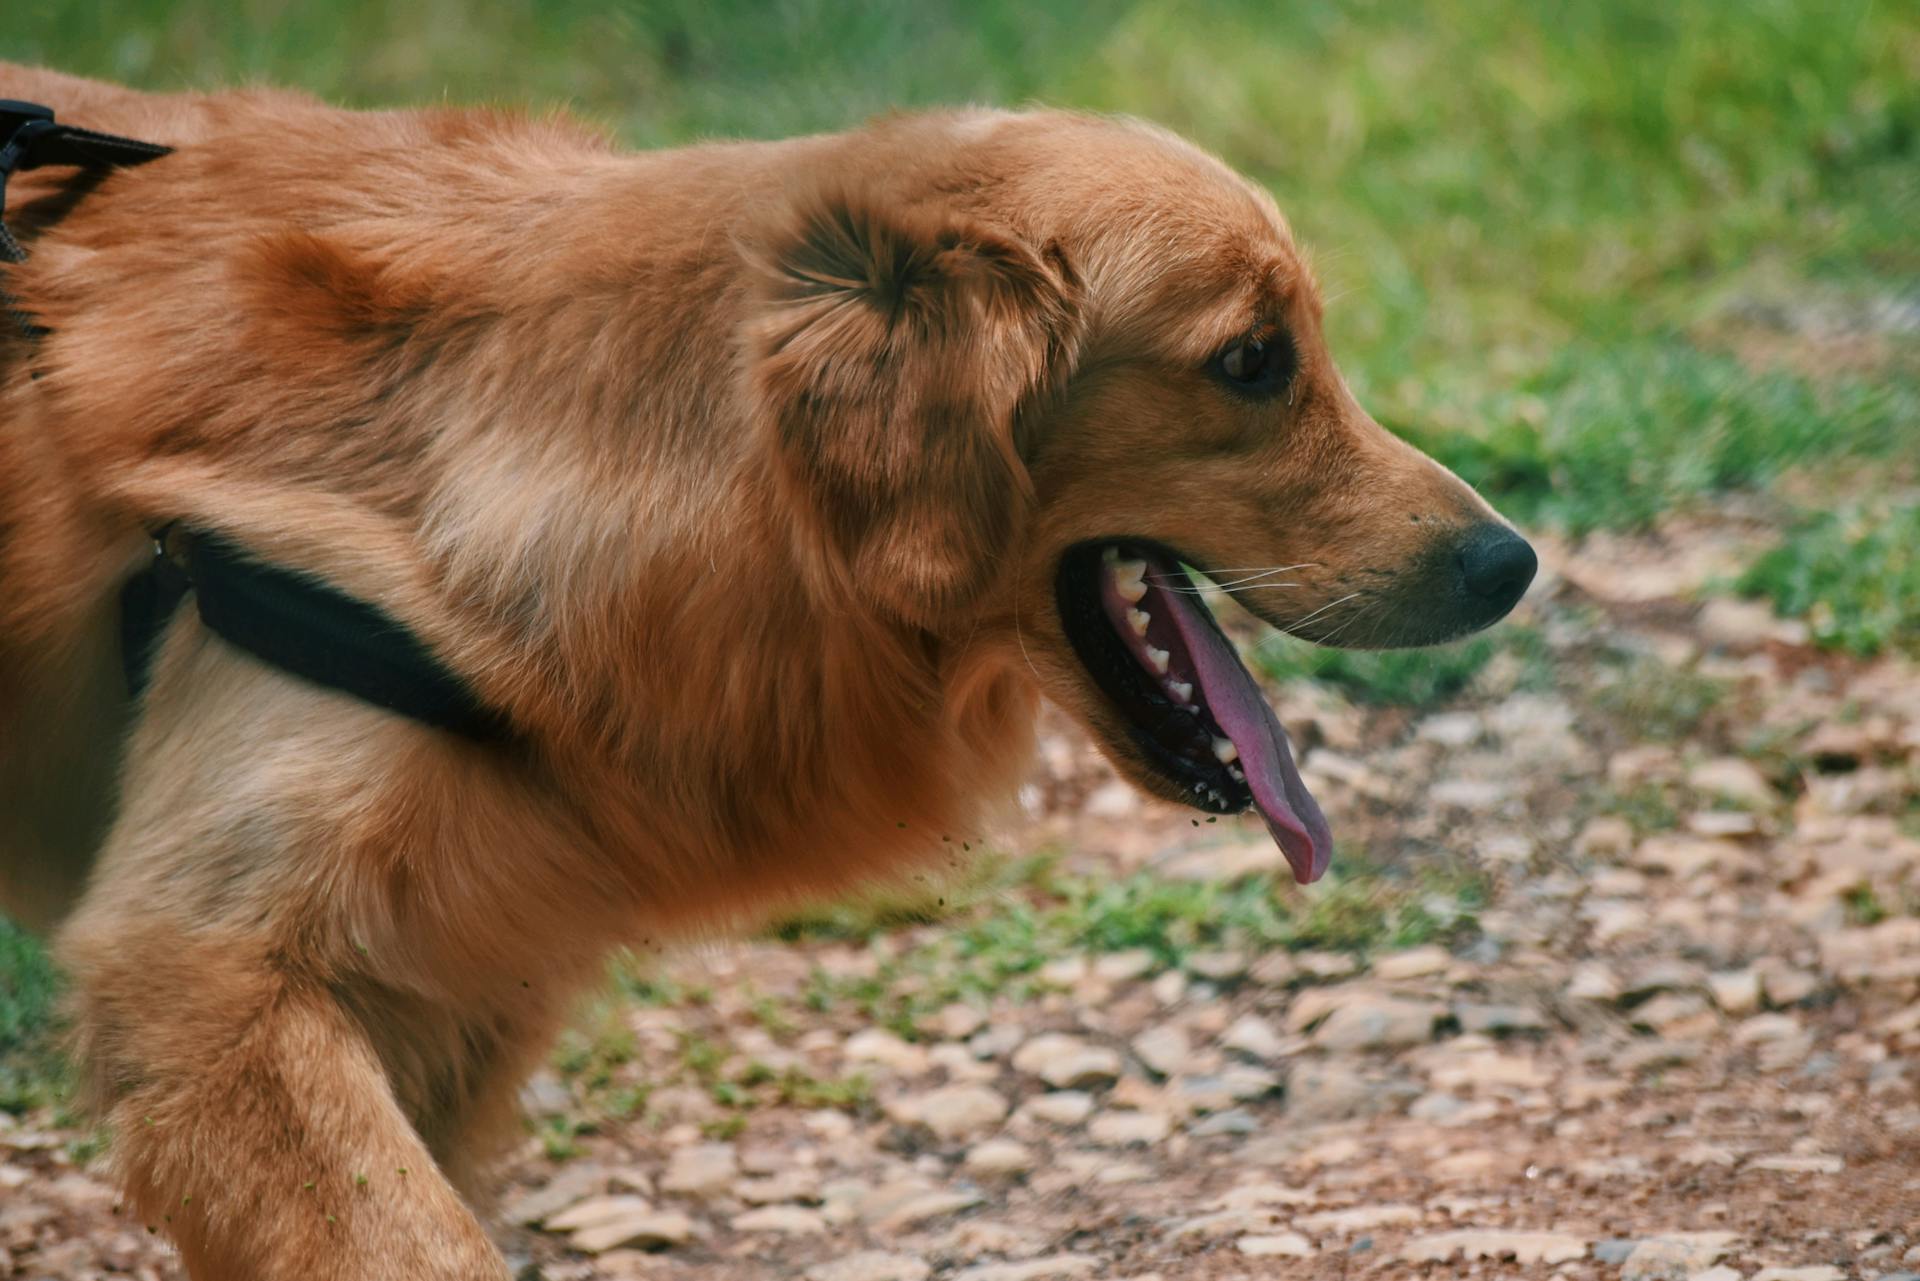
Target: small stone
883,1049
1613,1250
1817,1272
1451,729
999,1158
1054,1267
1278,1245
1127,1129
569,1187
788,1185
654,1230
705,1169
1499,1020
1217,967
1320,1091
1818,1163
595,1211
1233,1122
1115,799
1522,1247
1594,981
786,1220
1064,1108
1732,779
953,1111
1416,963
872,1265
936,1204
1254,1037
1228,1223
1164,1049
1378,1023
1736,991
1065,1061
1363,1218
958,1021
1123,967
1675,1255
1721,1272
1606,837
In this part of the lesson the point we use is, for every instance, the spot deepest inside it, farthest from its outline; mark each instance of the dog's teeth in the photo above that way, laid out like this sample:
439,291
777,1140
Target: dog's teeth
1236,774
1138,620
1224,751
1158,657
1127,580
1182,692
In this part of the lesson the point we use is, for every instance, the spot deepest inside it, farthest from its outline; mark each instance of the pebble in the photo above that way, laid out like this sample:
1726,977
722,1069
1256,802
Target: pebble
1164,1049
595,1211
1816,1272
999,1158
1065,1062
936,1204
1732,779
703,1170
1675,1255
872,1265
788,1185
1283,1245
882,1048
1363,1218
1735,991
1784,1164
1378,1023
1053,1267
1128,1129
953,1111
1064,1108
1522,1247
645,1231
787,1220
1415,963
1254,1037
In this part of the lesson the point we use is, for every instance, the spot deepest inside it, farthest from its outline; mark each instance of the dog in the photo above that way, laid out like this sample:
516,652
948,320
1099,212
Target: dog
760,488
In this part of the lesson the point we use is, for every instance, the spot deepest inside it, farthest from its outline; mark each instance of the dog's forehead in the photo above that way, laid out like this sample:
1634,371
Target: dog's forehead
1153,217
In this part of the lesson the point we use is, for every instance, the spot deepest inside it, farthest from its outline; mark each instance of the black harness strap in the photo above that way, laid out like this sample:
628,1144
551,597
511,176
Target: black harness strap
289,620
300,625
29,139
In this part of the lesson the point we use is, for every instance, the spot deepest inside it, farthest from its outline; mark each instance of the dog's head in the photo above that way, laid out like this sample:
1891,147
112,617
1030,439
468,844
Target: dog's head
1026,372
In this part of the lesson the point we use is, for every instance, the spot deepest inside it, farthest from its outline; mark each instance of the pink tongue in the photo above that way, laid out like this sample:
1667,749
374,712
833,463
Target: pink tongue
1292,815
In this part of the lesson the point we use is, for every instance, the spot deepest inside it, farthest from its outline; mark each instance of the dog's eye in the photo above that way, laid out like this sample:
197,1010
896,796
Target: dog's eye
1258,366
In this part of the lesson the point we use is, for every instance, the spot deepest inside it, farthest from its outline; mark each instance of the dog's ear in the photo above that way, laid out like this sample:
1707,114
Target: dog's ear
891,350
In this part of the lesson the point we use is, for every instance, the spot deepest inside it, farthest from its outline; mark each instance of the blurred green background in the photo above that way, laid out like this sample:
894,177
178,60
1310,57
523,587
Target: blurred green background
1616,261
1602,257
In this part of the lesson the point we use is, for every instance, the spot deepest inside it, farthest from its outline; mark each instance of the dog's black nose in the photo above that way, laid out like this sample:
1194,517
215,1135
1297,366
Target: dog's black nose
1495,565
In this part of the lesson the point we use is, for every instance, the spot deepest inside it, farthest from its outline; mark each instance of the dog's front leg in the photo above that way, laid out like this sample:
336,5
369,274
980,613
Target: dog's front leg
251,1117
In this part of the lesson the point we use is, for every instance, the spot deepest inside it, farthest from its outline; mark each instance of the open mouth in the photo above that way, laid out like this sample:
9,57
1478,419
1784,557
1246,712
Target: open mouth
1136,622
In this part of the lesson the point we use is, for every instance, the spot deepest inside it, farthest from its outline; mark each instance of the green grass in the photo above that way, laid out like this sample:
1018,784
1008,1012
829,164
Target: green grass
1005,947
1548,233
1404,677
1854,575
30,1071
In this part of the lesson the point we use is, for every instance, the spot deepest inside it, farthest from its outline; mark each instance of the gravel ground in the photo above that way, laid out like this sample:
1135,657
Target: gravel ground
1676,1041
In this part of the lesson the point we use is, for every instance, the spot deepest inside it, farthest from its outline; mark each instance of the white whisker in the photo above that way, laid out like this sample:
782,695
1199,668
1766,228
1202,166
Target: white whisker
1302,622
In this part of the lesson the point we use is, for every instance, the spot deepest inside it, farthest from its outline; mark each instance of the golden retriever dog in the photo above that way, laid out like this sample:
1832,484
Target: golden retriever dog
760,489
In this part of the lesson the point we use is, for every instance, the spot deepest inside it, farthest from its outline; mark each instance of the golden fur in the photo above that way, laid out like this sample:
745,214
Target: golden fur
736,475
